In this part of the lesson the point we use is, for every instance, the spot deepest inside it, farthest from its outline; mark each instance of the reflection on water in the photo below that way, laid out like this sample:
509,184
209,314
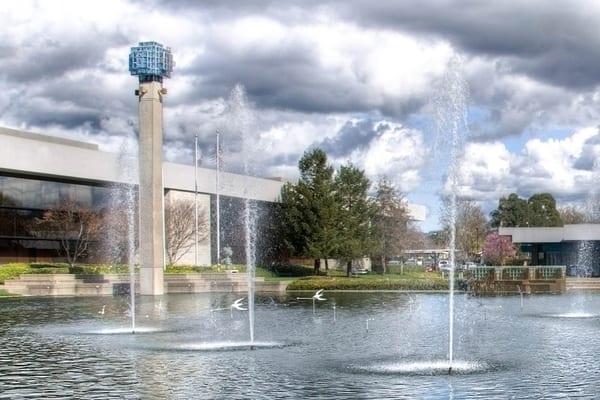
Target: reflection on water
433,367
46,351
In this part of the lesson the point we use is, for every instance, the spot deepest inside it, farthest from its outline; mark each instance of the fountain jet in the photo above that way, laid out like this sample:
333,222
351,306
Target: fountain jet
452,126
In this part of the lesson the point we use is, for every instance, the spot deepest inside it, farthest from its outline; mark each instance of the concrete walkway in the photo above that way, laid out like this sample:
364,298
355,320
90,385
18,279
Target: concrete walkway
115,284
583,284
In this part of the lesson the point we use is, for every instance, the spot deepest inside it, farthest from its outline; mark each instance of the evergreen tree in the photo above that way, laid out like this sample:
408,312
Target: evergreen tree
542,210
354,237
511,211
539,210
309,209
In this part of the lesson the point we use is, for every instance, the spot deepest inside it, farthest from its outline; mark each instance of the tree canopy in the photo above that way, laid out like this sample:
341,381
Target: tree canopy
355,213
329,213
471,227
309,209
497,249
539,210
391,222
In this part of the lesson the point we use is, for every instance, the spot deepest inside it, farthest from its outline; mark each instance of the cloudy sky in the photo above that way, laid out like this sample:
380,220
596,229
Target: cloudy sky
360,79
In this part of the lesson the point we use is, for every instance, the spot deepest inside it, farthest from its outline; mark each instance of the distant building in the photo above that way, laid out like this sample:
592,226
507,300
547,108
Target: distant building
575,246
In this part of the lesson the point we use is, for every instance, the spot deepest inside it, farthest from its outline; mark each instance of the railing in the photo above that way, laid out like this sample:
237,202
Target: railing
511,279
482,273
515,273
512,273
549,273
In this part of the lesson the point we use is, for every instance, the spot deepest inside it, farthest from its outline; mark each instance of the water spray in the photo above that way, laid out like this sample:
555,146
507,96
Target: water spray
367,322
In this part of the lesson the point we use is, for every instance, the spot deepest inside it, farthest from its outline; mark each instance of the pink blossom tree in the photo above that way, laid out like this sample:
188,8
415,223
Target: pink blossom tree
497,249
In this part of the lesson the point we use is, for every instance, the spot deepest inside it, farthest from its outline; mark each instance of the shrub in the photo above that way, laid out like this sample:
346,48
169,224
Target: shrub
292,270
331,283
12,271
99,269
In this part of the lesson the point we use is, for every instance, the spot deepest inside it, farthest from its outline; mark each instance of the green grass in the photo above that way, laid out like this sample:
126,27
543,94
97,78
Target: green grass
4,293
13,270
408,281
190,269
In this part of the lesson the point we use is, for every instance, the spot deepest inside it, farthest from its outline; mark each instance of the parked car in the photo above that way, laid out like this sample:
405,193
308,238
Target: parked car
469,265
414,262
444,265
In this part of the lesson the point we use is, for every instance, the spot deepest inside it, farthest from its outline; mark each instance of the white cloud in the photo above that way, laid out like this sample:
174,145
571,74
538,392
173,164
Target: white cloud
489,170
485,172
398,152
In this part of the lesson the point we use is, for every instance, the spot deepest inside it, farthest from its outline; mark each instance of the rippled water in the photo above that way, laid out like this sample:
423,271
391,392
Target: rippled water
54,348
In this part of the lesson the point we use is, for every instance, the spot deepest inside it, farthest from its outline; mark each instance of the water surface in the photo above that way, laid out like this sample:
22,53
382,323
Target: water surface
63,347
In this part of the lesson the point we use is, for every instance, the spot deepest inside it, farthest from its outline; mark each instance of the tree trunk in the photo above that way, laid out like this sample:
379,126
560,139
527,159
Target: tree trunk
383,265
317,266
348,268
326,266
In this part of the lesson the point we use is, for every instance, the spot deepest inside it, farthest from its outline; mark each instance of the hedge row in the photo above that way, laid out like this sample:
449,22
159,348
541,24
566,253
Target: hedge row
383,283
13,270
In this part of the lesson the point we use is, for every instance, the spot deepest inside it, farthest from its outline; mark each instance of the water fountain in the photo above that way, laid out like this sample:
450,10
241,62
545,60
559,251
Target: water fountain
124,202
218,167
238,98
587,252
451,117
131,241
121,239
239,122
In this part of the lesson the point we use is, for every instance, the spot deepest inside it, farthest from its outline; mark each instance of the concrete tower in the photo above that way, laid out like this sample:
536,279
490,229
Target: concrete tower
151,62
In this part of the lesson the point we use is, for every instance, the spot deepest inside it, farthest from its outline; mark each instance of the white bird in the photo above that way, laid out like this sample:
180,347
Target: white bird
238,305
319,295
101,312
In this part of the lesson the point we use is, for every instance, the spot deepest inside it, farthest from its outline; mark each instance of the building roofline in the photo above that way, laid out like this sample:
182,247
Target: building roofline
47,138
566,233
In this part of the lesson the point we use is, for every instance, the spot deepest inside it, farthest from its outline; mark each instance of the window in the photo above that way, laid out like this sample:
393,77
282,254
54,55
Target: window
49,194
11,192
31,193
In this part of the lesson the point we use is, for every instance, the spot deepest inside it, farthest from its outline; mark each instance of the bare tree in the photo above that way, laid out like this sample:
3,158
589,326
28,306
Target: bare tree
391,222
180,228
117,227
471,227
75,227
572,215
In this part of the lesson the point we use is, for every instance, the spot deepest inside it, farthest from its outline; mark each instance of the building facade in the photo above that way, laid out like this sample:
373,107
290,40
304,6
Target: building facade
575,246
37,172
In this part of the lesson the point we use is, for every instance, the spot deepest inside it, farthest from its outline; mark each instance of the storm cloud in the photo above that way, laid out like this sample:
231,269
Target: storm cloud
352,77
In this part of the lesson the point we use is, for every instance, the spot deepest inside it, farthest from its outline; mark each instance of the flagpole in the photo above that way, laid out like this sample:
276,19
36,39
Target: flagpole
218,170
196,200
